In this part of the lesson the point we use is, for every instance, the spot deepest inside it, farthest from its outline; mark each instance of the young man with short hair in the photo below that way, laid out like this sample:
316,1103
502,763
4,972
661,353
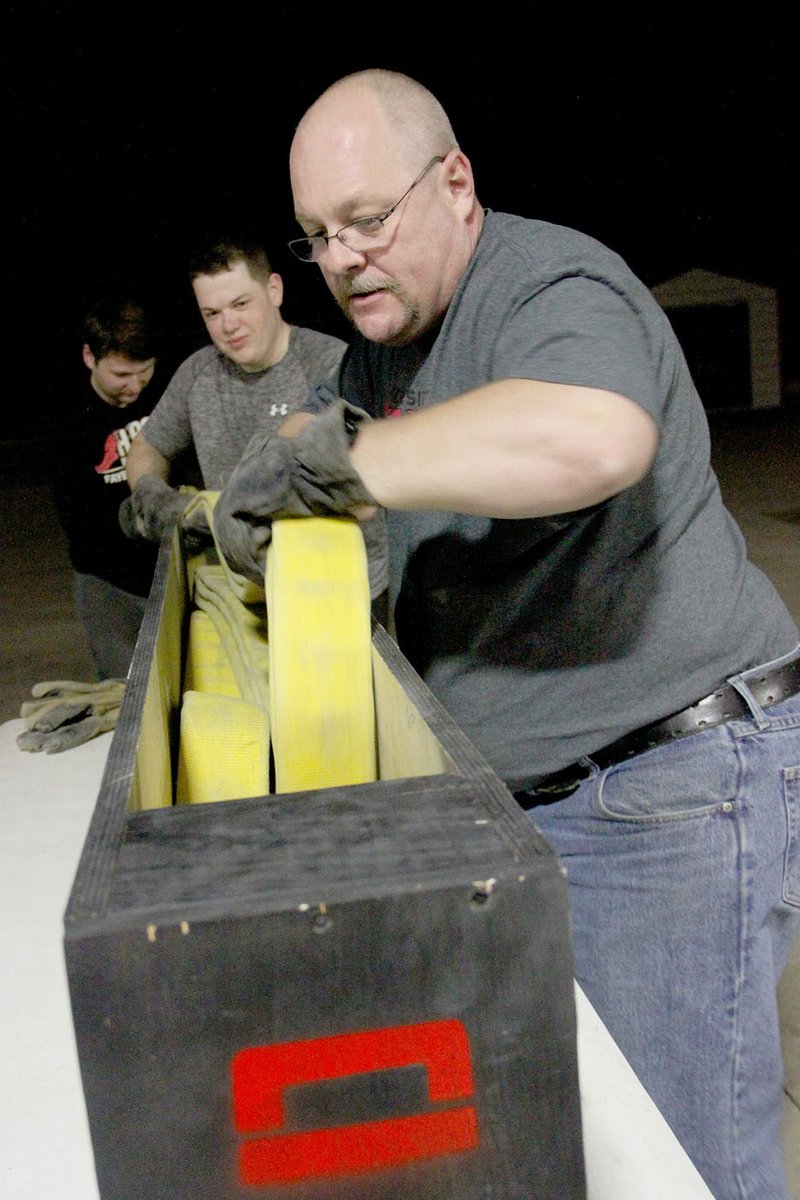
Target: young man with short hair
89,447
258,370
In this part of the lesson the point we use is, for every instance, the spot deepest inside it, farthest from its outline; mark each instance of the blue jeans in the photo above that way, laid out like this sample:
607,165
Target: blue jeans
684,871
111,618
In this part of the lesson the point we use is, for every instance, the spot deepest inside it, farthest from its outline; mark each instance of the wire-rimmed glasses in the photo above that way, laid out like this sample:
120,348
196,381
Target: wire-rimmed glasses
358,235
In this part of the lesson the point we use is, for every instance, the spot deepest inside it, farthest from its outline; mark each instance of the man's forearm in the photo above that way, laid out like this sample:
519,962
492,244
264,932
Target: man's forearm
514,449
144,459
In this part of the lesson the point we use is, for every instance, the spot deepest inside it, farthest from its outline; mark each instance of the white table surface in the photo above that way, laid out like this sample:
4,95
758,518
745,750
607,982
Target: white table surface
46,802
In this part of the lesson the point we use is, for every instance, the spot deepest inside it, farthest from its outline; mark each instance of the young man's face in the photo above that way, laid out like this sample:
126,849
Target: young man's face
243,316
117,379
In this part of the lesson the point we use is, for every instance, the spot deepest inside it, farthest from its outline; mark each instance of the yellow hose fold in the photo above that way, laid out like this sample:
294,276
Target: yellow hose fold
297,668
322,712
224,749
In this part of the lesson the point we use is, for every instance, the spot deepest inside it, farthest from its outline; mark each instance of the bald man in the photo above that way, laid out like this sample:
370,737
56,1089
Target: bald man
566,578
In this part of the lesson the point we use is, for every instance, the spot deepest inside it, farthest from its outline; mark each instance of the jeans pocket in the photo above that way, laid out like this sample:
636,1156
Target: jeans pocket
791,863
689,778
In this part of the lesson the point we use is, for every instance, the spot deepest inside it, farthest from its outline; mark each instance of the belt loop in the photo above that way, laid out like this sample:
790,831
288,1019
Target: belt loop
759,716
739,682
774,664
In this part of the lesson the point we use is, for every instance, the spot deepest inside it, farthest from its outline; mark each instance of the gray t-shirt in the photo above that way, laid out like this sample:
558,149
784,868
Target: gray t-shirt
549,638
213,404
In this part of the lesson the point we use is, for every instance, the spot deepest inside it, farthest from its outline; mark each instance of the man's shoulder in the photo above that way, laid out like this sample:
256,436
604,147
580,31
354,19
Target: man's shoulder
302,334
549,248
81,417
204,359
315,349
207,360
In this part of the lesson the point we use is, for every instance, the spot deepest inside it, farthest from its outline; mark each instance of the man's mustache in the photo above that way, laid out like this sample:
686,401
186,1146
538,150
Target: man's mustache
363,287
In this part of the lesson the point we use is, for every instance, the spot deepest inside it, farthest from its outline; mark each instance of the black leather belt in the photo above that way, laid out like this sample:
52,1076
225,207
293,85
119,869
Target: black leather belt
724,704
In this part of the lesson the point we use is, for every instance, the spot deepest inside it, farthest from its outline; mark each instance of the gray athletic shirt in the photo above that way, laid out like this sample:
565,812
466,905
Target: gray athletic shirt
547,639
212,403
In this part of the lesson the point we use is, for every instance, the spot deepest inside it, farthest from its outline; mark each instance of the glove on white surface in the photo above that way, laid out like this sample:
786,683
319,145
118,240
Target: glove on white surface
66,713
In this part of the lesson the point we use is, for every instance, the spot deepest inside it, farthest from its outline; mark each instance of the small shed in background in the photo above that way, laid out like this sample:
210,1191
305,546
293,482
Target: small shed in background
729,332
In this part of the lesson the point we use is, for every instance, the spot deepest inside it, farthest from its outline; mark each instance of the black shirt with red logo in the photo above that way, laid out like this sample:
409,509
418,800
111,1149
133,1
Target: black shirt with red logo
89,442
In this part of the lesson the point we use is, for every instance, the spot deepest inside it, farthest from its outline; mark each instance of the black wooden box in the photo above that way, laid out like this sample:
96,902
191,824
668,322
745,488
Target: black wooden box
358,992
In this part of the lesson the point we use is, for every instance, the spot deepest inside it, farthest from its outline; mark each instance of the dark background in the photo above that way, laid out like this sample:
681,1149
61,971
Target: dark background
128,133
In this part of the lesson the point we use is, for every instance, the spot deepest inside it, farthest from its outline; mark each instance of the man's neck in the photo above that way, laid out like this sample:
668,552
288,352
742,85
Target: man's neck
277,350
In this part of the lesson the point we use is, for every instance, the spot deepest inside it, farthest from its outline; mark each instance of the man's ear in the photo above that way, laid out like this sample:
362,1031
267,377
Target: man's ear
89,358
275,289
459,180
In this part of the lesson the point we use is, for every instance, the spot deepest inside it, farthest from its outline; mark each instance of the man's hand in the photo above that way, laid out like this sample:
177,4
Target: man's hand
303,476
152,509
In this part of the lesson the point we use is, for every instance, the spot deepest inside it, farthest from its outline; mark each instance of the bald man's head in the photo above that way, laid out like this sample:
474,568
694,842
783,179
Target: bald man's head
415,120
387,201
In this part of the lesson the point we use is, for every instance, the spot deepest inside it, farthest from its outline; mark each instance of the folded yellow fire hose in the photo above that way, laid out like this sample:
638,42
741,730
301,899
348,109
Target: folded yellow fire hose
307,684
224,727
241,630
207,667
290,663
322,712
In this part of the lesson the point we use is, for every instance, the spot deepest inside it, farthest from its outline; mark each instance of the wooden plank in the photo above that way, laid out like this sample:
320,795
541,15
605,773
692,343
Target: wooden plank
155,761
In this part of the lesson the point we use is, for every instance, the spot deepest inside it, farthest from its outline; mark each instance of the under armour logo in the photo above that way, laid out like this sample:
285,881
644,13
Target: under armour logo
279,410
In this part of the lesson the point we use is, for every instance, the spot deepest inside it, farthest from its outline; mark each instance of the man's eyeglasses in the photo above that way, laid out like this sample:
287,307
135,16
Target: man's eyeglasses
358,234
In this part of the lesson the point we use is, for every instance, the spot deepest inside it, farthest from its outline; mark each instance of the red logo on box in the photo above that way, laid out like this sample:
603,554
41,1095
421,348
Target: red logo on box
261,1075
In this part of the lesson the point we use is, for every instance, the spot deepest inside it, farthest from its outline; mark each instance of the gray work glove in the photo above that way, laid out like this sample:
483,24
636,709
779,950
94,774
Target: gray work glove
306,476
152,509
66,713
